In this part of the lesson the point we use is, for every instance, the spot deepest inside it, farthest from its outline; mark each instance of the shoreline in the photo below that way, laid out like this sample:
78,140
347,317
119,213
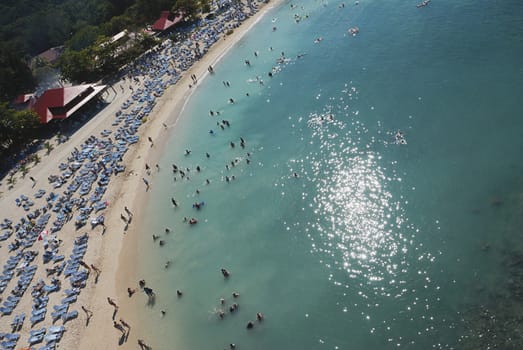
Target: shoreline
119,249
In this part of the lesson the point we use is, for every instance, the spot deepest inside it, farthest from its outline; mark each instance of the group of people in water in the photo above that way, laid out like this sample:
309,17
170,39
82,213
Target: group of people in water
234,306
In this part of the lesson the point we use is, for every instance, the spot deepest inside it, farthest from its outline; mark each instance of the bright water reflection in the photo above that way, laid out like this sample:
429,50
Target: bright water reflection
358,227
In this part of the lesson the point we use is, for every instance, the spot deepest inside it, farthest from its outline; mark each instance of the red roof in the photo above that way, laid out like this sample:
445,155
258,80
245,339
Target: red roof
61,103
164,22
22,99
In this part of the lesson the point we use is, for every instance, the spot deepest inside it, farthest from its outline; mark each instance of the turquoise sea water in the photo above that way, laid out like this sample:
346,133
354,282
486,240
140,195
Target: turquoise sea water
375,244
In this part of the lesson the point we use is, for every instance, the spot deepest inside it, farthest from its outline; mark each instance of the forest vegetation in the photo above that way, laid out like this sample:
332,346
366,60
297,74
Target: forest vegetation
29,27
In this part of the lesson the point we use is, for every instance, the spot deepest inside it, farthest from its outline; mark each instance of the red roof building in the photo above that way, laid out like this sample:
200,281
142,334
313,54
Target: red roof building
50,56
166,21
61,103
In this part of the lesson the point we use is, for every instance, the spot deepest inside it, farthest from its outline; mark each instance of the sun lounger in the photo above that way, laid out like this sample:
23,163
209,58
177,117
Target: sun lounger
6,310
40,311
36,319
49,346
57,315
53,337
61,307
17,322
10,337
35,339
70,316
37,331
51,288
13,298
58,258
56,329
69,300
8,345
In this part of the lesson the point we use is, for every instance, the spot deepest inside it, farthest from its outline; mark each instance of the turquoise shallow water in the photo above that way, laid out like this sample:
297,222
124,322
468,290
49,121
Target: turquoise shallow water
375,244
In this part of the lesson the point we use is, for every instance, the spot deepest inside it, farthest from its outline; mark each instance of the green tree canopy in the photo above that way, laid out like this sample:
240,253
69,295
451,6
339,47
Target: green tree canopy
15,76
16,127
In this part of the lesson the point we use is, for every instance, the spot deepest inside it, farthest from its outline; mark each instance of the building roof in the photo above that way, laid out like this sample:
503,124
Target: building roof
24,102
51,55
23,99
61,103
166,21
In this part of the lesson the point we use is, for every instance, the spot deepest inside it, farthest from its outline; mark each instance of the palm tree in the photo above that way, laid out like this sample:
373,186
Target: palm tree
11,181
36,159
48,147
24,170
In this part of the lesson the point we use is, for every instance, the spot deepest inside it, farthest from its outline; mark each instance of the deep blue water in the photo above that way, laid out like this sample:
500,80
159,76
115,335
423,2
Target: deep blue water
375,244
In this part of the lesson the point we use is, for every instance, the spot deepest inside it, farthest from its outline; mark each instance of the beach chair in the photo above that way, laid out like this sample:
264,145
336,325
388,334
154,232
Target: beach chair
58,258
36,339
12,336
8,345
37,319
61,307
39,311
6,311
51,288
69,300
53,337
73,291
56,329
70,316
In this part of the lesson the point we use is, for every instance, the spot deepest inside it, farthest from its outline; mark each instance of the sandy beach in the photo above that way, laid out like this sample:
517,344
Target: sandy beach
113,252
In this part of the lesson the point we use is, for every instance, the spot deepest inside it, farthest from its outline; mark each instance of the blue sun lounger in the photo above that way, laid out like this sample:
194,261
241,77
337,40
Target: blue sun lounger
70,316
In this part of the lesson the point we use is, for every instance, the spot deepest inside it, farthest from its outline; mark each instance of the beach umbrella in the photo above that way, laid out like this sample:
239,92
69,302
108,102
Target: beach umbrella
41,235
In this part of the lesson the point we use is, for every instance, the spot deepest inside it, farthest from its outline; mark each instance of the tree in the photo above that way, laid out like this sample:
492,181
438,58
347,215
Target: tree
48,147
16,127
83,38
24,170
77,66
189,8
15,75
103,52
11,181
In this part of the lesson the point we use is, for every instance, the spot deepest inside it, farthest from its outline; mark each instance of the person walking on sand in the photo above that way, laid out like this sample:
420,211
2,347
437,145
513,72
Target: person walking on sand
143,345
125,324
88,313
112,303
119,327
96,270
146,183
